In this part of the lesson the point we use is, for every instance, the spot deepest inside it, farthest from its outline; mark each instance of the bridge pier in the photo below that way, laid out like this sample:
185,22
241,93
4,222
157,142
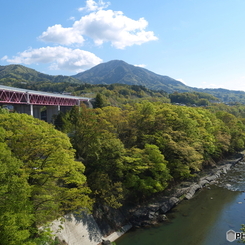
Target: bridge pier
33,110
51,111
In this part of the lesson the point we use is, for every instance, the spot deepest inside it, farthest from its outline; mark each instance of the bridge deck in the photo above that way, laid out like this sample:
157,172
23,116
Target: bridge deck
13,95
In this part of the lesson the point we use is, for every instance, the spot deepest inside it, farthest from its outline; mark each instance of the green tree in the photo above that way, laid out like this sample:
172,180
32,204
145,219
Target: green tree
99,101
146,171
57,182
16,215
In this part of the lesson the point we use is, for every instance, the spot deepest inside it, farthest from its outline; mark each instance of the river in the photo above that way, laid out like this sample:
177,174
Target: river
203,220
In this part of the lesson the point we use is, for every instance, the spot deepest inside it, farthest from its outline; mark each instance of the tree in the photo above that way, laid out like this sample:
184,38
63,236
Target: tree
16,215
146,171
99,101
57,182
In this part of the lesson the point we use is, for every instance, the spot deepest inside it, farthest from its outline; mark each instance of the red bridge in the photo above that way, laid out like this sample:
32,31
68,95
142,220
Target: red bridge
35,103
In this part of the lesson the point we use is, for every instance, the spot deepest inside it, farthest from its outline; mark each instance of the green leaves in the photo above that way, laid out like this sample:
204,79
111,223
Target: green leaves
146,171
40,178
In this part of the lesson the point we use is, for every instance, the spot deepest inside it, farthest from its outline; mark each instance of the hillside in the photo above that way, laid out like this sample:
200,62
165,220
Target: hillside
112,72
117,71
19,72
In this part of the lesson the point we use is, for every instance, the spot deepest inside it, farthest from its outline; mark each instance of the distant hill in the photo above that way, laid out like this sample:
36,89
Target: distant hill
112,72
118,71
19,72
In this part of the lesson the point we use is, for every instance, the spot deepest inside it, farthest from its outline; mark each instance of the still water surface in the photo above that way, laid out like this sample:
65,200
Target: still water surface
203,220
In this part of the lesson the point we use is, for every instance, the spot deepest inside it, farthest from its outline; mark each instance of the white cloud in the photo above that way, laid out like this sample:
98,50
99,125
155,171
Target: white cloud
4,57
94,6
61,35
102,26
59,58
141,65
113,26
72,18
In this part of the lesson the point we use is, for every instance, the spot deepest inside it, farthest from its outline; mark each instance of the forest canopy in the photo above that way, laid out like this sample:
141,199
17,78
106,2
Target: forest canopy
110,155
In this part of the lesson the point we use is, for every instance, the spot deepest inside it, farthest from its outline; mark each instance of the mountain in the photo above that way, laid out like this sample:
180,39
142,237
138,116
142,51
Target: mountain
19,72
115,71
118,71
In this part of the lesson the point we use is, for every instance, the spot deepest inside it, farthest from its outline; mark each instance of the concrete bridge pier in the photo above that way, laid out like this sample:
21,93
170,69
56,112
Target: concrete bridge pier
24,108
51,111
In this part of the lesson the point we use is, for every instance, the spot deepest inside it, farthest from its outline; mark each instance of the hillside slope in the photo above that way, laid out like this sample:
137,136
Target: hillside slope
31,75
118,71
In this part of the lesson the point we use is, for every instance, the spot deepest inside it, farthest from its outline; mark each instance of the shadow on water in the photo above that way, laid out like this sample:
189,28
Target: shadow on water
202,220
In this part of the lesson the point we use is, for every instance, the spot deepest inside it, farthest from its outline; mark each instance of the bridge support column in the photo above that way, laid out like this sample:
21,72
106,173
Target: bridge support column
31,109
37,111
51,111
21,108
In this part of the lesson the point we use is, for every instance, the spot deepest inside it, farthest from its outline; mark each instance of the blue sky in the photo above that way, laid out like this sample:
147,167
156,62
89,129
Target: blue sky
201,43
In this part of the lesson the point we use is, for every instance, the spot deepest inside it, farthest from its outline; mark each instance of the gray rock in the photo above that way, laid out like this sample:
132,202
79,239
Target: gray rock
151,215
153,207
162,217
203,182
164,208
192,191
211,178
107,242
173,201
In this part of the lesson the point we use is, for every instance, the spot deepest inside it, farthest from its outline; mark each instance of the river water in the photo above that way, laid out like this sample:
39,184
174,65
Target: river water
203,220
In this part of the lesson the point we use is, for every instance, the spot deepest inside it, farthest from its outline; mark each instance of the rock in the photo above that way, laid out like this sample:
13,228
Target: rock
211,178
203,182
151,215
173,201
192,191
164,208
228,185
106,242
180,192
153,207
162,217
218,173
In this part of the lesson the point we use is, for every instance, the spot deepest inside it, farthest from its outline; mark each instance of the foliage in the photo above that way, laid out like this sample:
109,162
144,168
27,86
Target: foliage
146,171
38,174
15,207
192,98
99,101
117,145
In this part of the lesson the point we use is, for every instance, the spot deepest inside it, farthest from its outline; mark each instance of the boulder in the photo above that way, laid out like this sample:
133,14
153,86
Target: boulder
164,208
192,191
173,201
203,182
211,178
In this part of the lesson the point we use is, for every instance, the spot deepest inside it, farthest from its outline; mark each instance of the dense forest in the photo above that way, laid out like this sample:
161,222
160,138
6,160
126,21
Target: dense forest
108,154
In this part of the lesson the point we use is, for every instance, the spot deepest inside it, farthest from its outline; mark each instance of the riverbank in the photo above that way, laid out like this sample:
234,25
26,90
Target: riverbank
155,210
107,224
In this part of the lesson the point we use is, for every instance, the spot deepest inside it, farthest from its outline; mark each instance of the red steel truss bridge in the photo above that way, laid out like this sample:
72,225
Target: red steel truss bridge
32,102
13,95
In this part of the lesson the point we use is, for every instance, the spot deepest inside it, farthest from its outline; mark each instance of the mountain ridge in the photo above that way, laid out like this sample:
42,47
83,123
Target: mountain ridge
118,71
112,72
14,71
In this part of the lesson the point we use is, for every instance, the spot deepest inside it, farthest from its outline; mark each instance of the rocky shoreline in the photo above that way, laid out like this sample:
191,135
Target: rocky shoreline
155,211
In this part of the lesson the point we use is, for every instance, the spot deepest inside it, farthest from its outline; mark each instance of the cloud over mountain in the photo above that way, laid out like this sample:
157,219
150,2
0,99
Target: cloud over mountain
59,58
99,26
